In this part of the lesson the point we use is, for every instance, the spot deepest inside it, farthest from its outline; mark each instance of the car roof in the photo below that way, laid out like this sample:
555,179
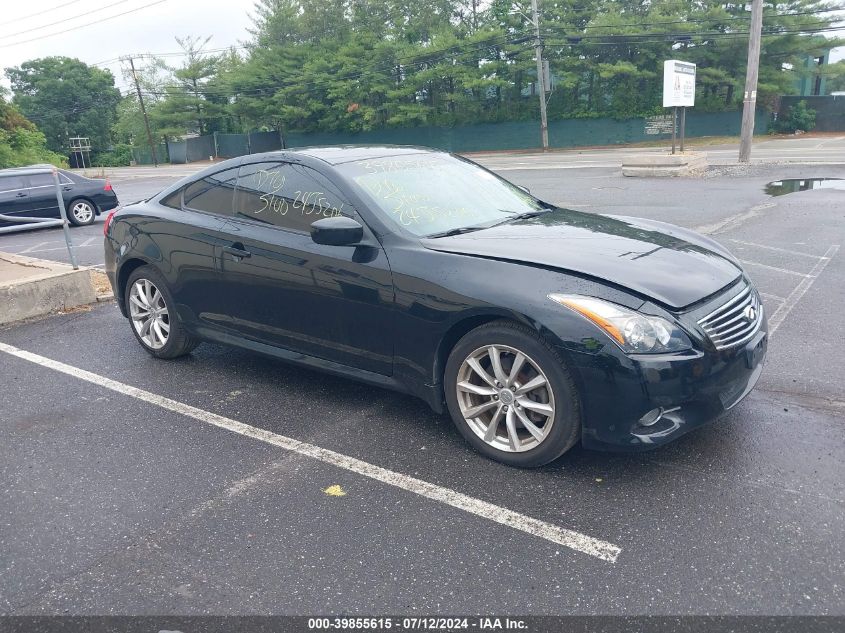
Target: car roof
337,154
28,170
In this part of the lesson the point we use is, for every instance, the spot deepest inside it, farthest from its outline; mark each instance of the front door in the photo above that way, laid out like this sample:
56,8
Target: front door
331,302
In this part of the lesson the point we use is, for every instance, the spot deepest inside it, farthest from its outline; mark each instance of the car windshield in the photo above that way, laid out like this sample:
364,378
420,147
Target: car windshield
435,194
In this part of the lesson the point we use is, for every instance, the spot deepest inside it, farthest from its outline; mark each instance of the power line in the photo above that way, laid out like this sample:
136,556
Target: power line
662,38
209,51
43,11
75,17
716,20
417,59
81,26
411,60
433,58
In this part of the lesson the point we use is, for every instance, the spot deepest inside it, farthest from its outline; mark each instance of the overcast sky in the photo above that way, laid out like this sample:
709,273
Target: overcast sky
61,27
151,27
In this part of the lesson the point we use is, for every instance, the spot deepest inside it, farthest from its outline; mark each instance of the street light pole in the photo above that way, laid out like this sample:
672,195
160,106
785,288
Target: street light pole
541,80
749,102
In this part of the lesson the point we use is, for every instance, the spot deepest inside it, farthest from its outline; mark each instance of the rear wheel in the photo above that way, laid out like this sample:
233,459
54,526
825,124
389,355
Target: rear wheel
511,396
81,212
152,315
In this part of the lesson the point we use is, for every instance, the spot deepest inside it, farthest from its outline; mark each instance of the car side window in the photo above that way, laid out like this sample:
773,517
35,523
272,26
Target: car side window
41,180
212,194
287,195
11,183
173,200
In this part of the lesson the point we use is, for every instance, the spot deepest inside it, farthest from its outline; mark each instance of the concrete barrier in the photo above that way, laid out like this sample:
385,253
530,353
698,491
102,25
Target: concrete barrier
661,165
34,287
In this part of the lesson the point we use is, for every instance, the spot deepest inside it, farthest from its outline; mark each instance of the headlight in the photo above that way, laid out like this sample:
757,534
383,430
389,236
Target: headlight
636,333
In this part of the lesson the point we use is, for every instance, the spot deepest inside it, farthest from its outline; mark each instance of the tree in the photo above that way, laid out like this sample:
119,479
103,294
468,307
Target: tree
357,65
21,143
836,76
66,97
188,104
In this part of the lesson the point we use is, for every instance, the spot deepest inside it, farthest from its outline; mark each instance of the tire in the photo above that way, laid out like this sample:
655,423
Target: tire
81,212
161,334
551,406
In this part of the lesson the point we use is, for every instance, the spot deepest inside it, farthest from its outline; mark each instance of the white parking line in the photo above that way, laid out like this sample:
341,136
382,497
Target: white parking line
768,295
561,536
32,248
779,250
775,268
734,220
795,296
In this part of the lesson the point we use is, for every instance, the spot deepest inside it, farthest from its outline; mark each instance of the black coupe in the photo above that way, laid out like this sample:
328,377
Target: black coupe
536,327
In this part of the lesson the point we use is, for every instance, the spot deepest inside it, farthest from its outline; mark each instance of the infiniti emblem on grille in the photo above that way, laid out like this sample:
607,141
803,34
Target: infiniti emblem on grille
750,314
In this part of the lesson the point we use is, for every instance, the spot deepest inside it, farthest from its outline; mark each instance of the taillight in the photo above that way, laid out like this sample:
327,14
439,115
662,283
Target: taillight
107,224
108,186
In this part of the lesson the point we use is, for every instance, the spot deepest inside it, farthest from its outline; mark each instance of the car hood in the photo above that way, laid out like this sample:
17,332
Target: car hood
669,264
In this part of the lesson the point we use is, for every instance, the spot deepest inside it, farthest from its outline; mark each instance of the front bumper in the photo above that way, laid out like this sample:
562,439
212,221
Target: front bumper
691,388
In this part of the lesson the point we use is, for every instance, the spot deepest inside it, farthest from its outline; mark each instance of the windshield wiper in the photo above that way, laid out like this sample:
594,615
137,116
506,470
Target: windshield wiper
510,218
458,231
522,216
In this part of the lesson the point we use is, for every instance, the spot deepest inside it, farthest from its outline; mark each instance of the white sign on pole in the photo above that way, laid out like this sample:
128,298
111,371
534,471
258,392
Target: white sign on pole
678,83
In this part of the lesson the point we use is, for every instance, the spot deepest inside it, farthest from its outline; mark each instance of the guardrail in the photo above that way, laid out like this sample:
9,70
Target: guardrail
38,223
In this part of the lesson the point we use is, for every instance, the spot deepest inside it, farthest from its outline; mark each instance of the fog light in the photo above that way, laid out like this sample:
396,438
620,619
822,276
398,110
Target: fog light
651,418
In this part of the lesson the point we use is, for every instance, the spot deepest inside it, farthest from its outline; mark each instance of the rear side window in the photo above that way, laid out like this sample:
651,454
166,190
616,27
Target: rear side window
287,195
212,194
173,200
11,183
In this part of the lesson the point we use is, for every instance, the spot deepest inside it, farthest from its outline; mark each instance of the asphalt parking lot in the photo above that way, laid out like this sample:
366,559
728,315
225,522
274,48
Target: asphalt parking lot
198,486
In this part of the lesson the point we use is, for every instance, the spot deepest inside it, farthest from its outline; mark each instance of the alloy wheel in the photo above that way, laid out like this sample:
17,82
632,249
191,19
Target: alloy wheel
82,212
149,314
505,398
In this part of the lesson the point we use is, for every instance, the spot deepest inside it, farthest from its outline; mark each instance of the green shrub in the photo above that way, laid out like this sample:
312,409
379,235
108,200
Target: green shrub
798,117
117,156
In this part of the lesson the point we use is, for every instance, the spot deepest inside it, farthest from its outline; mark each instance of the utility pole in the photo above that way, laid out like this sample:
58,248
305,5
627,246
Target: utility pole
749,103
144,112
541,80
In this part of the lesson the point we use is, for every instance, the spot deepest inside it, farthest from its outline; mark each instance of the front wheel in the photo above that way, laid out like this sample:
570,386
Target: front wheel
81,213
152,315
511,396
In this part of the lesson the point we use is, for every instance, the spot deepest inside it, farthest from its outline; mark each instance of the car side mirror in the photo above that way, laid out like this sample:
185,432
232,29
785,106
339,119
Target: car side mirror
337,231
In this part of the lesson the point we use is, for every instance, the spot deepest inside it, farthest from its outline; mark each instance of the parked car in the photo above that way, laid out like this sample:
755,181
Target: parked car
33,195
536,327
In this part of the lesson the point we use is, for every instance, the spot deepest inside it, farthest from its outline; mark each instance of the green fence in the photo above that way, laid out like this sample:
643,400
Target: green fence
517,135
143,156
513,135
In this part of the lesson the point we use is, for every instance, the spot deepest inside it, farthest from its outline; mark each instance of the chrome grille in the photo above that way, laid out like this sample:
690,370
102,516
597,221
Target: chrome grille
736,321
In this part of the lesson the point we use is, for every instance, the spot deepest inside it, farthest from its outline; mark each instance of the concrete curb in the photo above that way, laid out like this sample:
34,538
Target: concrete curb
32,287
656,165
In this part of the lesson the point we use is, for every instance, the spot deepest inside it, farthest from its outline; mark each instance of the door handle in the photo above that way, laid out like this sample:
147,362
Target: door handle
237,251
21,195
68,188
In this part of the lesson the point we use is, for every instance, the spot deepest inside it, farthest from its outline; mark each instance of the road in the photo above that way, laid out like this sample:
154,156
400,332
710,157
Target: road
160,501
583,179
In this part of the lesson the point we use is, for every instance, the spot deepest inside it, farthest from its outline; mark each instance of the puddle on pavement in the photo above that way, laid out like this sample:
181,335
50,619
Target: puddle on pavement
791,185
